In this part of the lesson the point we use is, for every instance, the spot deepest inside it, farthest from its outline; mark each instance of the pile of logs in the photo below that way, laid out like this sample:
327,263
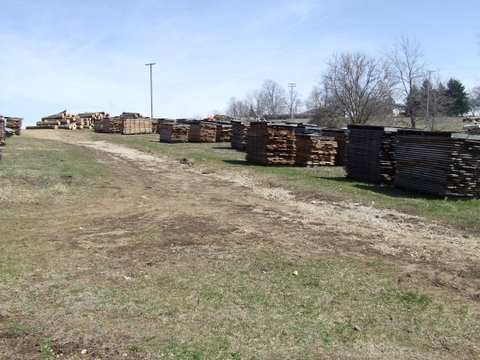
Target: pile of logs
239,134
172,132
340,136
87,120
370,153
62,120
224,133
202,132
315,150
438,163
14,123
271,143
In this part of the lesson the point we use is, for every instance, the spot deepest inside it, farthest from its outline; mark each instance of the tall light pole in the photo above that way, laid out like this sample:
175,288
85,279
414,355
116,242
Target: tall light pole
291,86
428,94
151,90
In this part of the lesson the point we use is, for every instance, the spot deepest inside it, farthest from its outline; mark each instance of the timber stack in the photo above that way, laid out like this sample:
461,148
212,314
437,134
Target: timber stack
172,132
2,131
315,150
14,123
438,163
239,134
271,143
200,132
162,121
224,133
87,120
138,126
370,153
340,136
62,120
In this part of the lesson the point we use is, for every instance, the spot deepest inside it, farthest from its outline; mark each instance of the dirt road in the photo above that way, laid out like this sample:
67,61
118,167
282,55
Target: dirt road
189,206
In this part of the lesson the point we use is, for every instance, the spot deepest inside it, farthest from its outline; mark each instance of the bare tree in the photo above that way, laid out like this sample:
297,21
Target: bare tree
323,107
237,108
274,97
360,84
474,100
256,101
293,103
406,58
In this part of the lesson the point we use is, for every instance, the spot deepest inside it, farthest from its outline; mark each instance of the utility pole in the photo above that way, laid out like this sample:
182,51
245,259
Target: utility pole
428,95
291,86
151,90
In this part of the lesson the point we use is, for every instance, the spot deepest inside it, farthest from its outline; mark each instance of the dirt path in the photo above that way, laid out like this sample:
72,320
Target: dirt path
196,207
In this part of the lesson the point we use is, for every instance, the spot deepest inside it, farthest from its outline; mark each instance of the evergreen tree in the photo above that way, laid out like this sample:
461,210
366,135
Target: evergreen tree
458,98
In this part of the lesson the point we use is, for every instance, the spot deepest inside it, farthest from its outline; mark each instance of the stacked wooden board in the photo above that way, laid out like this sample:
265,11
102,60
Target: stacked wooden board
14,123
438,163
315,150
202,132
271,143
2,131
162,121
138,126
87,120
370,153
113,125
172,132
239,134
224,133
126,123
340,136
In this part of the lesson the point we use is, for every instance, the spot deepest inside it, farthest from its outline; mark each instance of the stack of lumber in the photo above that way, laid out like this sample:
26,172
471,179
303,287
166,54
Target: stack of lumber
14,123
113,125
87,120
137,126
239,134
271,143
340,136
315,150
308,129
172,132
438,163
98,125
62,120
370,153
2,131
224,133
162,121
202,132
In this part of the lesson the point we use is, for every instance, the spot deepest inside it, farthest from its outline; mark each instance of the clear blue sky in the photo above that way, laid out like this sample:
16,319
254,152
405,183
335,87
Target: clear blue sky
89,55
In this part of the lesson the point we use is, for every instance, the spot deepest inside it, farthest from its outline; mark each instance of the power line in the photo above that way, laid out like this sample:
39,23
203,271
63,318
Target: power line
151,89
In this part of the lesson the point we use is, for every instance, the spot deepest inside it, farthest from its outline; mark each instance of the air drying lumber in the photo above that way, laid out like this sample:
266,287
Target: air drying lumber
370,153
315,150
271,143
87,119
340,136
224,132
126,123
14,123
2,131
172,132
438,163
202,132
239,134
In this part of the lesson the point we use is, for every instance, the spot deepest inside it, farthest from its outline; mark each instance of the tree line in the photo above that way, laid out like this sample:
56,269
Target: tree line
356,88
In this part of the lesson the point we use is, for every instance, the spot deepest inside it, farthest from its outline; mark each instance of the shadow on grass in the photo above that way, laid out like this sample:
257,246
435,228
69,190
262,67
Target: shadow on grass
241,162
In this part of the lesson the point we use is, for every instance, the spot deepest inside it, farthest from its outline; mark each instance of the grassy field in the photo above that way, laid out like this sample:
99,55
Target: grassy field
205,302
323,182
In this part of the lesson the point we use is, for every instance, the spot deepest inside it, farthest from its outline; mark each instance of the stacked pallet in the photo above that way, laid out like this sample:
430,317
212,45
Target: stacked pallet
14,123
239,134
224,133
370,153
87,120
315,150
202,132
174,133
340,136
271,143
438,163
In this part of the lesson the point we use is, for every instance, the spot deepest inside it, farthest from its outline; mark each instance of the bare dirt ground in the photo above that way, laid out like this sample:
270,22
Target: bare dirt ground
224,208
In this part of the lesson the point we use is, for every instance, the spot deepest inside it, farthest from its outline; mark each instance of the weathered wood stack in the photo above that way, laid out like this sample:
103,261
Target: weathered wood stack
162,121
271,143
340,136
315,150
126,123
2,131
113,125
62,120
87,120
138,126
202,132
172,132
224,133
239,134
438,163
14,123
370,153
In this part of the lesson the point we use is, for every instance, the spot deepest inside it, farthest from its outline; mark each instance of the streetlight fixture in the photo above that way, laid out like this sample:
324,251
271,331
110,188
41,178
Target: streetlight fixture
151,89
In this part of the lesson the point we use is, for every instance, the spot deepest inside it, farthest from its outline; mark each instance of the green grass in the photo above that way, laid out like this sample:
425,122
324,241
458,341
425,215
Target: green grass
327,183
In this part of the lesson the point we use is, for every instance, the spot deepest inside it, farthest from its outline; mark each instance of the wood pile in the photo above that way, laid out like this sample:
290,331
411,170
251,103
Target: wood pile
271,143
138,126
2,131
162,121
370,153
62,120
438,163
315,150
87,120
308,129
14,123
202,132
174,133
224,133
239,134
340,136
113,125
